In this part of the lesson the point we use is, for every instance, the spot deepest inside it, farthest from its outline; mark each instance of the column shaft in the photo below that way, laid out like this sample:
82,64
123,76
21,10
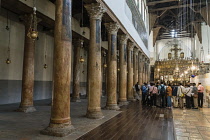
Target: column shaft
112,66
76,71
60,121
130,73
26,104
123,70
139,69
94,61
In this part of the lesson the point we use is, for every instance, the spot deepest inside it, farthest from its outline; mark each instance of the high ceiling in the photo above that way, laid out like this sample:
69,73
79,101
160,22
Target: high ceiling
178,16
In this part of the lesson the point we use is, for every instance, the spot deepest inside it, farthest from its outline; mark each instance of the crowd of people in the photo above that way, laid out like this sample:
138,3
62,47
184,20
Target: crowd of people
162,95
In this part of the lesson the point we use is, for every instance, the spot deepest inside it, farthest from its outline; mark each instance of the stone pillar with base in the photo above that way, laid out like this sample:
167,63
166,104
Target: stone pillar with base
123,70
95,11
130,85
60,121
26,104
76,71
140,68
112,67
135,66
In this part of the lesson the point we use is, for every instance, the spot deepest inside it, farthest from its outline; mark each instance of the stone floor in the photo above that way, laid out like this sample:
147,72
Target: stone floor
192,124
27,126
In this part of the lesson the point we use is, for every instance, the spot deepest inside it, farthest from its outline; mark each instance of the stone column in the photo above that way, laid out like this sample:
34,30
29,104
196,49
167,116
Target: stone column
95,11
26,104
112,66
135,66
140,68
60,121
148,74
143,69
123,70
130,85
76,71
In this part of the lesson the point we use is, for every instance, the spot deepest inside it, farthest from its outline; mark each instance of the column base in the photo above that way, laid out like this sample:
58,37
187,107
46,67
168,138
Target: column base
58,130
94,115
26,109
75,99
131,99
121,103
112,107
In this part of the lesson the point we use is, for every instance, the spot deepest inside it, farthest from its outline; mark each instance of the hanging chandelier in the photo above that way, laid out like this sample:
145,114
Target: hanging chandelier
32,32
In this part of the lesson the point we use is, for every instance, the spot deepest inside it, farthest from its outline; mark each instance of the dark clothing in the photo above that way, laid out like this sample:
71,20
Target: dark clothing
188,102
174,90
192,101
144,96
153,100
200,99
137,87
162,100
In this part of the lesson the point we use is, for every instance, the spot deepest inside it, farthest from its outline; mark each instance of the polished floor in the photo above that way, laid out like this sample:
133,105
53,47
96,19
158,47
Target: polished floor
192,124
27,126
136,122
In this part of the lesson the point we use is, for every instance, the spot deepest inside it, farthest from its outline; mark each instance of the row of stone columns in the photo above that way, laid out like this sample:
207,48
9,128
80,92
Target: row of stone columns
130,61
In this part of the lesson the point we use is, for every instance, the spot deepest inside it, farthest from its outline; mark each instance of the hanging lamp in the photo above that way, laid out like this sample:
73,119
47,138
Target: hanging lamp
8,60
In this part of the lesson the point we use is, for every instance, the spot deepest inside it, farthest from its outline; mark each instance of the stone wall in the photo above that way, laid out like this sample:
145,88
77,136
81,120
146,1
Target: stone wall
11,74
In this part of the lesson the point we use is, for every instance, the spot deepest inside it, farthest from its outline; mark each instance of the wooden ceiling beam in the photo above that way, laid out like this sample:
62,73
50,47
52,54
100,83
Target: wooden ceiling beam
159,1
175,7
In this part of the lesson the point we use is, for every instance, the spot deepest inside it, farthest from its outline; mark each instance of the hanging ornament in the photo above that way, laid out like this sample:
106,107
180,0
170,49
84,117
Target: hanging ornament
82,59
45,66
33,33
8,60
45,52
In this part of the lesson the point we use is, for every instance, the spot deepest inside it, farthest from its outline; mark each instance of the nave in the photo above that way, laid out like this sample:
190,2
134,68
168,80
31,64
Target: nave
130,122
136,122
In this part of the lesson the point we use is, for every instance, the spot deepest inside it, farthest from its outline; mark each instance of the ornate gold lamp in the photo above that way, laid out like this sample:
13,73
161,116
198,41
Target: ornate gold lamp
33,33
81,59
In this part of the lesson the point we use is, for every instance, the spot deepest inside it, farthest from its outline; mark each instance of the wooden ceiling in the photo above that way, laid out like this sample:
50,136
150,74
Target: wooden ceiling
178,15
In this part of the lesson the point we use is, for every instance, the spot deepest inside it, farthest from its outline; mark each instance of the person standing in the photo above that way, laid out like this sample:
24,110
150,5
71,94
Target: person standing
181,94
169,94
200,95
153,93
174,96
188,96
144,90
162,93
195,96
137,91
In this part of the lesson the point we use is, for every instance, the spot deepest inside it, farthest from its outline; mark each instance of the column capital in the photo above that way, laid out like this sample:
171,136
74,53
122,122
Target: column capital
95,10
136,51
112,27
123,39
130,46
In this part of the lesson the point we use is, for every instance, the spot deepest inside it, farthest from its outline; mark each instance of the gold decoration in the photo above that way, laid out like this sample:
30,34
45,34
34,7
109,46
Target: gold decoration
82,59
45,66
8,61
105,65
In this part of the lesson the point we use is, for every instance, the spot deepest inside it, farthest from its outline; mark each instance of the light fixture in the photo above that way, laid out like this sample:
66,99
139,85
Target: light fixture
8,60
193,68
158,69
105,65
45,66
32,32
118,69
186,72
82,59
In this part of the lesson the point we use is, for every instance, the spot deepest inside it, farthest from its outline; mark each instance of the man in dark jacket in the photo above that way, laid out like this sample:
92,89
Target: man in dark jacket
174,95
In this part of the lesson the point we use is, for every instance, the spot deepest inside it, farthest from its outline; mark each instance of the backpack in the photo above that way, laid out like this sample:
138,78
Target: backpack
144,89
195,90
162,90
